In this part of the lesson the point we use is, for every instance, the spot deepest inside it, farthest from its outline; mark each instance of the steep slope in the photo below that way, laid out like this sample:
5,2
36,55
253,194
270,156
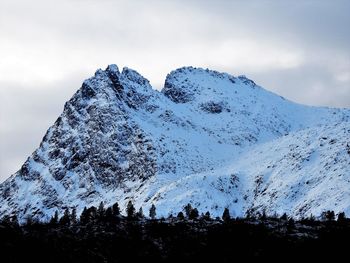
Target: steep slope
305,172
206,138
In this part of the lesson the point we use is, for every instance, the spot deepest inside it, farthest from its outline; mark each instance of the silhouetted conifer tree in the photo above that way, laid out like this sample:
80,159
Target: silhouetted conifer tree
115,209
29,220
152,212
263,216
109,214
312,218
207,216
92,213
130,210
84,217
54,219
180,216
226,215
140,214
328,215
73,217
290,225
101,211
188,208
341,217
65,219
284,217
194,214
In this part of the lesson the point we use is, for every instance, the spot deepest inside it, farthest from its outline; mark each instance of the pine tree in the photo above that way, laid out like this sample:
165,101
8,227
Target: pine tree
73,217
54,219
328,215
312,218
109,214
188,208
29,220
130,210
101,211
226,215
180,216
341,217
84,217
290,225
65,219
194,214
206,216
152,212
140,214
115,209
92,213
284,217
263,216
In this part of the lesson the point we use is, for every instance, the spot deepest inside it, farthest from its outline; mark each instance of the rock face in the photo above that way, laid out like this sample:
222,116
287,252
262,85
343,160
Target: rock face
207,138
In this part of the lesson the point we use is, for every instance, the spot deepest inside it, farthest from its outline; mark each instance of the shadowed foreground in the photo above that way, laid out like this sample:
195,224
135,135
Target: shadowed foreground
173,239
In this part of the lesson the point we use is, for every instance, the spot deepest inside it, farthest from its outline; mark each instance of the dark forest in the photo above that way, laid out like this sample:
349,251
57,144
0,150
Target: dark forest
104,235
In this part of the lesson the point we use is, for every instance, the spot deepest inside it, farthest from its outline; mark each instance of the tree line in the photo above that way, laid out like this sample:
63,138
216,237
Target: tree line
108,234
113,214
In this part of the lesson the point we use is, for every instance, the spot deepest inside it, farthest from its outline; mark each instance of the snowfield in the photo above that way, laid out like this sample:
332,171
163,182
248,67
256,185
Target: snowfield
208,138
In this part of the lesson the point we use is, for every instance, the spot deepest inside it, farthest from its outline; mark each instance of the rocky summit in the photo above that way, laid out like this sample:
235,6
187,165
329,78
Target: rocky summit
207,138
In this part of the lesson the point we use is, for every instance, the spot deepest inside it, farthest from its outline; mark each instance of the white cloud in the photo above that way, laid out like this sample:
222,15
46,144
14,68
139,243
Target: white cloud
343,76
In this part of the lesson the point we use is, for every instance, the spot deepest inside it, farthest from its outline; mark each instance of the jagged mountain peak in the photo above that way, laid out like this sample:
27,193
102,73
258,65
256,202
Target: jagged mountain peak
113,69
134,76
118,139
126,89
190,72
189,84
186,84
111,77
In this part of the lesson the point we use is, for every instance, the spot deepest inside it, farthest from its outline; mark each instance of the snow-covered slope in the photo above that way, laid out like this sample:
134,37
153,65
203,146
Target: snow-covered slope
207,138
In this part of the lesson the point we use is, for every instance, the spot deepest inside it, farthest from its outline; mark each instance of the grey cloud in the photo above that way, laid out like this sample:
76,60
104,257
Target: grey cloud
306,21
310,84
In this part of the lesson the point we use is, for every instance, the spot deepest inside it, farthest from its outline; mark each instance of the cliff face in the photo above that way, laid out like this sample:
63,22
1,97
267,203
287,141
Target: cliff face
207,138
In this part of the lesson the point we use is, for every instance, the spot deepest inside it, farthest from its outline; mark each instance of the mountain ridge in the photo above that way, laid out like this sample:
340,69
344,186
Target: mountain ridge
118,139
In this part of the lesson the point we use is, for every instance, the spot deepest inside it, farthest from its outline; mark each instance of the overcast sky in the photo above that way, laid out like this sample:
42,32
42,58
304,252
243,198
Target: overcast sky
298,49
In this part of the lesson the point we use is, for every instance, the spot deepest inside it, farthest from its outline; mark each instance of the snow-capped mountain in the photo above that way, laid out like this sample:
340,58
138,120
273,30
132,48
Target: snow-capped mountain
207,138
